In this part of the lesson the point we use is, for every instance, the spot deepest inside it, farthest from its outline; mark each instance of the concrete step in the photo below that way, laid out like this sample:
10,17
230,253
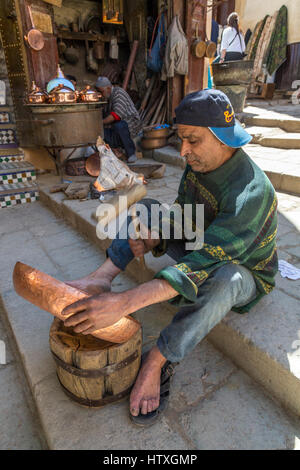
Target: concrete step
286,117
281,166
274,137
213,404
260,342
288,125
259,133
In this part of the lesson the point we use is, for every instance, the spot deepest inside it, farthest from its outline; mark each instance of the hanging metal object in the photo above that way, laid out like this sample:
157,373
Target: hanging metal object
113,11
34,37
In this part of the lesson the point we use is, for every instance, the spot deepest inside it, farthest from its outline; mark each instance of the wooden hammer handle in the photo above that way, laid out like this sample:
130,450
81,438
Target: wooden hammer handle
135,225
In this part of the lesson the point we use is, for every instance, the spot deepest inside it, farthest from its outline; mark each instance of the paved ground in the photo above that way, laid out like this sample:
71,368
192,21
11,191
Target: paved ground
19,424
214,405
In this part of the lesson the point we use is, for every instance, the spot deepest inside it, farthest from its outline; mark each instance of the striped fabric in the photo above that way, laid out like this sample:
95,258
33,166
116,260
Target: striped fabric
121,104
240,207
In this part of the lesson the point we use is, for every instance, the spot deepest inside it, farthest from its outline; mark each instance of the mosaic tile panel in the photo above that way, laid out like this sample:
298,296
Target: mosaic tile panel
11,158
4,117
14,199
8,138
13,178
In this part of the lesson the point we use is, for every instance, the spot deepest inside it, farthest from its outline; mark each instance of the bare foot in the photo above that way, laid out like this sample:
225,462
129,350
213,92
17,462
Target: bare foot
146,391
91,285
99,281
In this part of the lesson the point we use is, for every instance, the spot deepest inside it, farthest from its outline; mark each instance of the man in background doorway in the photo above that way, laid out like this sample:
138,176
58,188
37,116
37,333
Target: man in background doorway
121,119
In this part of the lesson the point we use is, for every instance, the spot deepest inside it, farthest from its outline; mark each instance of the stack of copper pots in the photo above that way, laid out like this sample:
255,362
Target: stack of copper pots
62,93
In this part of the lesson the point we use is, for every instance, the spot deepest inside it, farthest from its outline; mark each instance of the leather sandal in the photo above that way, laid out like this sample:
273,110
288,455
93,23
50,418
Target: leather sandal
148,419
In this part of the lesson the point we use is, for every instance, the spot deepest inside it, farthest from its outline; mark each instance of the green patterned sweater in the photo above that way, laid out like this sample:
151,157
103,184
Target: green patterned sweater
240,226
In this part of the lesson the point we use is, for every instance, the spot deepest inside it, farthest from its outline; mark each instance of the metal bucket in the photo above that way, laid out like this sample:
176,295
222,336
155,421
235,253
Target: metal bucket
66,125
237,95
236,72
233,78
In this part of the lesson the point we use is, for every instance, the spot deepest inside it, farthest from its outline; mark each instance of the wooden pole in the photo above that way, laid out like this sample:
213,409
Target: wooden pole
130,64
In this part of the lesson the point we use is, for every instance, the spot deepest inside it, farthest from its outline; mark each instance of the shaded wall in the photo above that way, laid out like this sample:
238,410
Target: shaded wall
290,70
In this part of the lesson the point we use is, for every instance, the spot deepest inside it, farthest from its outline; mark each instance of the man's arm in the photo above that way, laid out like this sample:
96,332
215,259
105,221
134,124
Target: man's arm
109,119
100,311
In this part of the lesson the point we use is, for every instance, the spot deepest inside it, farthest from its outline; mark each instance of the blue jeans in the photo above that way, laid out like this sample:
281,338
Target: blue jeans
229,286
119,136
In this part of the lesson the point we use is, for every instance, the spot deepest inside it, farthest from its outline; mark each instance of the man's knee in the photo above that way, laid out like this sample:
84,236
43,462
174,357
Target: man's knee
229,274
236,278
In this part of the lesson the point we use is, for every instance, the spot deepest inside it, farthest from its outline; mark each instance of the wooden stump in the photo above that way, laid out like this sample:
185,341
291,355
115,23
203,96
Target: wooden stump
91,371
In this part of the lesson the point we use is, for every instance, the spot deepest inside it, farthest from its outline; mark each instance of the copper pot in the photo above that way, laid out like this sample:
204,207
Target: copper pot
152,133
87,95
149,144
62,94
99,50
36,95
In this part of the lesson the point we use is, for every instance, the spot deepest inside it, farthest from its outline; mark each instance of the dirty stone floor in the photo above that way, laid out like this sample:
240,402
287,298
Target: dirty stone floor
20,428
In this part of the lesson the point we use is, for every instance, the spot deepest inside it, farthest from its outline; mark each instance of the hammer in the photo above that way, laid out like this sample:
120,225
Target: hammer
133,195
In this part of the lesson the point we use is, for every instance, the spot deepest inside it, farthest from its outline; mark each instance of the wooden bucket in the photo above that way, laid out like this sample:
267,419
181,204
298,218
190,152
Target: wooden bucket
93,372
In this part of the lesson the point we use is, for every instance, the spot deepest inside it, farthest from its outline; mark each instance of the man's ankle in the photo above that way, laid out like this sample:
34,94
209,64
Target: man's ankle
156,357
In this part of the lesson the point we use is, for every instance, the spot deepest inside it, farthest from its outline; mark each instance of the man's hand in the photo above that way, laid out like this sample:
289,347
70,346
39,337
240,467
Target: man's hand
144,245
100,311
96,312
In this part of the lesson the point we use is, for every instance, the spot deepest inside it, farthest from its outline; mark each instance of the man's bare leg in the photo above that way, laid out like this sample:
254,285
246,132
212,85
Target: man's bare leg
145,394
99,281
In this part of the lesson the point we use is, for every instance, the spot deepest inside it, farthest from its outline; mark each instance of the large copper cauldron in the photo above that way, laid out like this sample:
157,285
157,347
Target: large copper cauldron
66,125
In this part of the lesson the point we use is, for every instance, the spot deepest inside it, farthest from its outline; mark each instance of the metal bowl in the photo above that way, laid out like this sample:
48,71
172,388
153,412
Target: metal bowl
149,144
150,133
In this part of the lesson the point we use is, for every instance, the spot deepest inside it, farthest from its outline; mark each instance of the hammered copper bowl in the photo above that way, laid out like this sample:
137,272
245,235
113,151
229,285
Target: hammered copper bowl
53,296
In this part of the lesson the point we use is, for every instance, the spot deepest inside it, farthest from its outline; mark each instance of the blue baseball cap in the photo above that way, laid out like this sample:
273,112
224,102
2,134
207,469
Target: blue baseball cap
213,109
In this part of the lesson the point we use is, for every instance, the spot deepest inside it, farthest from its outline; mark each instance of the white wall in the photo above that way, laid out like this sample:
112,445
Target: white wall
252,11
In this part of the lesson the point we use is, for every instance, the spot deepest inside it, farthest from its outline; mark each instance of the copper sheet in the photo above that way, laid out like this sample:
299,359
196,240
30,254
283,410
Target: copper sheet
53,296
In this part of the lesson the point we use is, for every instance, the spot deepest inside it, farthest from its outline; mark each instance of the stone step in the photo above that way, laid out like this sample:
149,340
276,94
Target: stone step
281,166
286,117
274,137
259,133
213,404
260,342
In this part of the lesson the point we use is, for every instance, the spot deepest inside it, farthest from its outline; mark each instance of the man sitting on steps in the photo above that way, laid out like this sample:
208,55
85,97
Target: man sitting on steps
233,270
122,122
